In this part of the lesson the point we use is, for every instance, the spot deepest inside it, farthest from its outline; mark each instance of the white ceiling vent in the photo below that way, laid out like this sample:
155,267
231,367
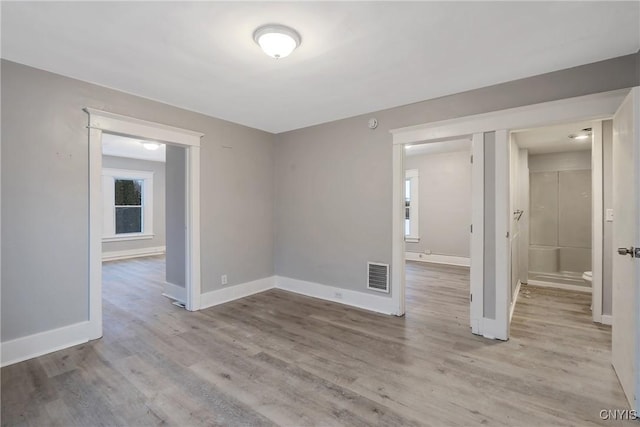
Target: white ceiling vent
378,277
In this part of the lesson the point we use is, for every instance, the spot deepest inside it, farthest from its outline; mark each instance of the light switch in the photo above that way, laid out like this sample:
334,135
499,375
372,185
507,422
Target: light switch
608,215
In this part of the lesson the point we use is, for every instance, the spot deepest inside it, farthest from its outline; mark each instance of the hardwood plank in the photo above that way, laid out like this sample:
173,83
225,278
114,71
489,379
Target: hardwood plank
281,358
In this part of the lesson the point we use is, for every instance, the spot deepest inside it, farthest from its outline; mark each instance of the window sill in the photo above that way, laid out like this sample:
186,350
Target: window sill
124,237
412,239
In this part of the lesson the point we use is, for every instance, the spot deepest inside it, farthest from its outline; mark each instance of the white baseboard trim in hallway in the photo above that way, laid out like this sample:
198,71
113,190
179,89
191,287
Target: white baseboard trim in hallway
25,348
559,286
231,293
607,319
133,253
515,300
362,300
438,259
175,292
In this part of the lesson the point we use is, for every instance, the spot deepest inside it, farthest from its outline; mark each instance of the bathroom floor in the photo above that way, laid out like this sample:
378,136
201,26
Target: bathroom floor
561,277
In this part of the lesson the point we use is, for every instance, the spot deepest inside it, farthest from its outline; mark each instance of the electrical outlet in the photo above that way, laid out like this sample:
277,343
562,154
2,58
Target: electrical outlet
338,295
223,279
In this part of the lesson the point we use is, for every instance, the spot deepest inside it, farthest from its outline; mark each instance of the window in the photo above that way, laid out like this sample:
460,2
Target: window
127,204
411,204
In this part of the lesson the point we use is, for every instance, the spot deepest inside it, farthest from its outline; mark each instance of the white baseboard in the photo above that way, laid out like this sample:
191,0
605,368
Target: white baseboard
175,292
515,300
607,319
220,296
35,345
363,300
559,286
438,259
133,253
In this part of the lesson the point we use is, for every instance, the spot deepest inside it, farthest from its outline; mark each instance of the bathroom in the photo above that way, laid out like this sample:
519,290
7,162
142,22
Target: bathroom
552,203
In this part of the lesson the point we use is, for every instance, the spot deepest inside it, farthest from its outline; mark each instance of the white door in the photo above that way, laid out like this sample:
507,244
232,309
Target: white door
626,238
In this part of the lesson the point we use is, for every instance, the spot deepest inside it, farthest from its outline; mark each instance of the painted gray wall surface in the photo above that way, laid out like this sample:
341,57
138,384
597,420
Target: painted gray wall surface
608,248
567,161
158,170
332,197
333,181
45,166
176,216
489,226
519,200
445,203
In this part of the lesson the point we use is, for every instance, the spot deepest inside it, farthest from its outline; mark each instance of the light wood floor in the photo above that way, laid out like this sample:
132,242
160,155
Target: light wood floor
277,358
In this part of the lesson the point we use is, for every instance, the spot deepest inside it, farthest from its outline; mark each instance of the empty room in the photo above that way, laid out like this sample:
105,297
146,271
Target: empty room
319,213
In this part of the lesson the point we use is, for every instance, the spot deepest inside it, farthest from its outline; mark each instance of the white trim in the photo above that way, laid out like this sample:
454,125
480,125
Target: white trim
95,233
502,239
476,272
133,253
514,300
438,259
109,175
232,293
127,237
125,125
397,285
413,175
99,121
606,319
25,348
596,106
366,301
564,286
175,292
597,223
192,213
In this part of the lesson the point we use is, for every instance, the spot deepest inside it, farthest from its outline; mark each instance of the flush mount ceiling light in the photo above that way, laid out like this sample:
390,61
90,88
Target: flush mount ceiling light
151,145
585,134
277,41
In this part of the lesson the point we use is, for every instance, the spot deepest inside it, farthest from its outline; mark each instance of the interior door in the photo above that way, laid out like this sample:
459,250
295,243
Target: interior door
626,240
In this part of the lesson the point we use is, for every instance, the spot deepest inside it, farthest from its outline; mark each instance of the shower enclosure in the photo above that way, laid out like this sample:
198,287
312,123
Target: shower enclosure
560,226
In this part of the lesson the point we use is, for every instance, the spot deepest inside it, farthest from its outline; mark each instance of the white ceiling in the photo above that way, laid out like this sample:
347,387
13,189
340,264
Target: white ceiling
438,147
122,146
355,57
553,139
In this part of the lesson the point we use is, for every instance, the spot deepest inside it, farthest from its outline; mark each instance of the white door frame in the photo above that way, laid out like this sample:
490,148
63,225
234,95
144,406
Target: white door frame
102,121
590,107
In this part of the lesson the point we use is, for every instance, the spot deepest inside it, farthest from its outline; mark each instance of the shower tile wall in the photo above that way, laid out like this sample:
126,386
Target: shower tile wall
560,221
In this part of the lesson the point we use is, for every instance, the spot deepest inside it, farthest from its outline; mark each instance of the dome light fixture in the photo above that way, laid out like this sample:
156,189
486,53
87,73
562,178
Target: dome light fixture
277,41
582,136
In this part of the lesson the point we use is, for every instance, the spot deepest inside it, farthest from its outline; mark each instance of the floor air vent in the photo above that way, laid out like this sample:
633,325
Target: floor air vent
378,277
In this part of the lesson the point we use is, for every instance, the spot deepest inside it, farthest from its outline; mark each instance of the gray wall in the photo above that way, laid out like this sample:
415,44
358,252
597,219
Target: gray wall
332,197
45,167
333,181
176,267
565,161
608,248
158,202
445,203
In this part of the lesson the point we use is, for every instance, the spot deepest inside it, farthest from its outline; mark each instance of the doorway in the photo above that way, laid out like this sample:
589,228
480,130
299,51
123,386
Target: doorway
438,190
558,191
101,122
491,283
